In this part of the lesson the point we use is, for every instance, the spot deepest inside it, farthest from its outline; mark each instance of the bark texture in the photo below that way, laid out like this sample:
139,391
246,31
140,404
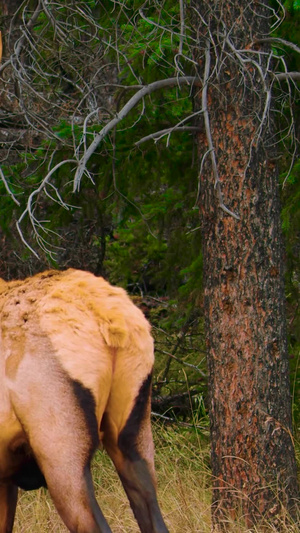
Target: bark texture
253,459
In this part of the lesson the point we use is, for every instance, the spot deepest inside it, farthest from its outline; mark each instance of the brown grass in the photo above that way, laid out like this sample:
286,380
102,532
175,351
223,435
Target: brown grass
184,492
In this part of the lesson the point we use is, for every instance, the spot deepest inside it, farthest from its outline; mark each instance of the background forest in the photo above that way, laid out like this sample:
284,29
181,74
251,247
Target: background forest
68,69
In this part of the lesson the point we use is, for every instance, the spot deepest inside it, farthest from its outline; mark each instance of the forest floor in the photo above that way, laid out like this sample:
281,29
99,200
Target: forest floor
184,491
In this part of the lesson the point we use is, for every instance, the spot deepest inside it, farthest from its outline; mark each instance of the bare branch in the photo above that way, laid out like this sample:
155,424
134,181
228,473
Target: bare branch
29,208
20,42
164,28
184,363
7,187
158,134
174,421
287,76
199,178
280,41
182,26
134,100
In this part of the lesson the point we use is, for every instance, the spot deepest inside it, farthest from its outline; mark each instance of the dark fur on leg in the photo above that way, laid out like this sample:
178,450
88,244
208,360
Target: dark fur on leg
8,503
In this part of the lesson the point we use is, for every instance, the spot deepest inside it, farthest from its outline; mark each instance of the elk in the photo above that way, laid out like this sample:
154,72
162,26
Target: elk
76,359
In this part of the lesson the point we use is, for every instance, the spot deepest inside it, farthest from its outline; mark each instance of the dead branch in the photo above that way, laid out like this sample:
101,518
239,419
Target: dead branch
134,100
287,76
159,134
27,28
3,179
30,207
279,41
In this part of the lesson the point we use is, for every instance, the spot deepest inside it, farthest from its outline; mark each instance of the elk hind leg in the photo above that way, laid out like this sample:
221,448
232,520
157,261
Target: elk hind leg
132,453
63,444
8,503
67,472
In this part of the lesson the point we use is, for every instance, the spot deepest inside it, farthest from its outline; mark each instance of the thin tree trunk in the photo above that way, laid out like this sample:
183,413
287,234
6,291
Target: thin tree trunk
253,458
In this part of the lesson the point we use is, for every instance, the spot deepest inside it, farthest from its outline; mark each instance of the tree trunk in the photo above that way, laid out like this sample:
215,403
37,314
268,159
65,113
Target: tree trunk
253,459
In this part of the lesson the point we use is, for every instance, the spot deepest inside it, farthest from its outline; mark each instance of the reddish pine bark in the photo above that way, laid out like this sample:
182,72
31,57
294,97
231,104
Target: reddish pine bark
253,459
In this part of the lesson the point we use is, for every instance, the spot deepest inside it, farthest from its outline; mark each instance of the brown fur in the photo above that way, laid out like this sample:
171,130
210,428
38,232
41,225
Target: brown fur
59,329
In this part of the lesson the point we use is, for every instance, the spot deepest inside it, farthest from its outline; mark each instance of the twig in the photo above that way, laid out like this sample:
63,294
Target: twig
199,178
174,421
7,188
182,25
164,28
194,367
158,134
20,43
28,209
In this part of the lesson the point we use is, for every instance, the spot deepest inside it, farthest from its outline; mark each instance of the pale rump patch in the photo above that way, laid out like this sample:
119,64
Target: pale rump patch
76,357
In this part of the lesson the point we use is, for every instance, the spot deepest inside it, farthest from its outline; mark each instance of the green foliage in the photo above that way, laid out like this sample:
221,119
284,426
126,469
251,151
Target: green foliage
291,208
290,186
291,228
292,5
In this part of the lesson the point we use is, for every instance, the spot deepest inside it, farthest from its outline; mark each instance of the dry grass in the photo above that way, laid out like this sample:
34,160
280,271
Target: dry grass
184,492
